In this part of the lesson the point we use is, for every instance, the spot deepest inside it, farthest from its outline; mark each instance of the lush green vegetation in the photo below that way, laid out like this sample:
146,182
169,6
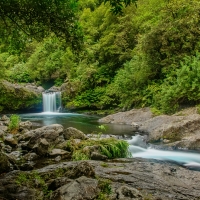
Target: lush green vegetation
110,147
13,125
146,56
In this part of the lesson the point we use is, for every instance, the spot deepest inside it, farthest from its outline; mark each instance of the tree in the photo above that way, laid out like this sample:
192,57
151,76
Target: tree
118,5
39,18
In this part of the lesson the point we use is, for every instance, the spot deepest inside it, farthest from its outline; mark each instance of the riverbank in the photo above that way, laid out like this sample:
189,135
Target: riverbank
37,164
180,130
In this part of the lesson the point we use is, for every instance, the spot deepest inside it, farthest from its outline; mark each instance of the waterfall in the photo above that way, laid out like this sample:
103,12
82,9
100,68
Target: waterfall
51,101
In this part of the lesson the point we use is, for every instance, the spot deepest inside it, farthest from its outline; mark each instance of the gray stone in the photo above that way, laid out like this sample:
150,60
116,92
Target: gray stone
25,125
41,148
15,155
73,133
128,193
4,163
10,140
30,156
50,133
79,189
58,158
59,152
135,115
59,182
82,169
4,128
98,156
7,148
5,118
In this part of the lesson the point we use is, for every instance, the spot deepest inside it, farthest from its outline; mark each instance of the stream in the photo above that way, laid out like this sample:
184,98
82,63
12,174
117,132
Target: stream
138,147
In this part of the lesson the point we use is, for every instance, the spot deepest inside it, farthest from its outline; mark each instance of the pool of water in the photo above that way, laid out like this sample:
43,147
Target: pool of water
138,147
86,123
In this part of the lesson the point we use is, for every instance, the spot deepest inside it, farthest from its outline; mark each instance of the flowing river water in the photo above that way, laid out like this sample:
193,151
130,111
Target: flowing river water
90,125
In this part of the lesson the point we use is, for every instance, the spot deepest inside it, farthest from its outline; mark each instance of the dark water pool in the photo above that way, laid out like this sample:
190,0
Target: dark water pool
86,123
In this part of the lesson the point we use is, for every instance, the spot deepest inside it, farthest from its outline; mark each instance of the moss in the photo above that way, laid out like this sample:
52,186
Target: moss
105,189
172,136
4,163
33,180
110,147
12,98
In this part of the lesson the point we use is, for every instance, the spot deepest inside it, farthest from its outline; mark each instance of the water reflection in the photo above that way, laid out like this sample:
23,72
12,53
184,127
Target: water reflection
86,123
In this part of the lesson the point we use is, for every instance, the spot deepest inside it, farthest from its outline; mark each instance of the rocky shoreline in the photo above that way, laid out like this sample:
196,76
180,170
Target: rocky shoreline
181,130
37,164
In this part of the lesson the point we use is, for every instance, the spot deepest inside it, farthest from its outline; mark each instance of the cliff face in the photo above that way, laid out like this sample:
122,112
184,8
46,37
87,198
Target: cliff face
19,97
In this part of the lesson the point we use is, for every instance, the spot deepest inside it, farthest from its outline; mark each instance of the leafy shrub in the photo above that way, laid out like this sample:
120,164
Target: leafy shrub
20,73
110,147
13,125
58,82
181,86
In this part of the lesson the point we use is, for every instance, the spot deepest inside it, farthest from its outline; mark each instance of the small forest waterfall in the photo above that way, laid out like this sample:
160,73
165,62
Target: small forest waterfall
51,101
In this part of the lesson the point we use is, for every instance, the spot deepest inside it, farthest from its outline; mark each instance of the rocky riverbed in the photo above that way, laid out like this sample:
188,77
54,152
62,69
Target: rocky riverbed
181,130
37,164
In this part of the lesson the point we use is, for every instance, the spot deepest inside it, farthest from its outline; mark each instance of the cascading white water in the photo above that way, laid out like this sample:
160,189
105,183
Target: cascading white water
51,101
139,148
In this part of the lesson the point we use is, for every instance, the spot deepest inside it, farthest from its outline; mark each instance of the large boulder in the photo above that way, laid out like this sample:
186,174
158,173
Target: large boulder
27,125
180,130
132,117
73,133
50,133
60,152
11,140
41,147
128,193
19,97
79,189
82,169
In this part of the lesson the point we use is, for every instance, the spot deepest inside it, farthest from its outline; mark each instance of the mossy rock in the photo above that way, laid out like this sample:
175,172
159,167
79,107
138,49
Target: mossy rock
4,163
17,97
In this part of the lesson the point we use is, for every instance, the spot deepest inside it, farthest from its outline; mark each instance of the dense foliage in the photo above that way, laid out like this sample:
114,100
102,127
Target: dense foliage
146,56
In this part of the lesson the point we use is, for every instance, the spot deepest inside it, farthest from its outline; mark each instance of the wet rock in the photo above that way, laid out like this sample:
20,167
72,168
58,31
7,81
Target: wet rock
23,193
4,128
40,89
79,189
2,134
27,125
73,133
4,163
191,142
128,193
41,148
98,156
50,133
7,148
19,96
30,156
134,116
82,169
58,158
10,140
5,118
59,152
63,145
27,166
88,150
54,89
15,155
55,184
